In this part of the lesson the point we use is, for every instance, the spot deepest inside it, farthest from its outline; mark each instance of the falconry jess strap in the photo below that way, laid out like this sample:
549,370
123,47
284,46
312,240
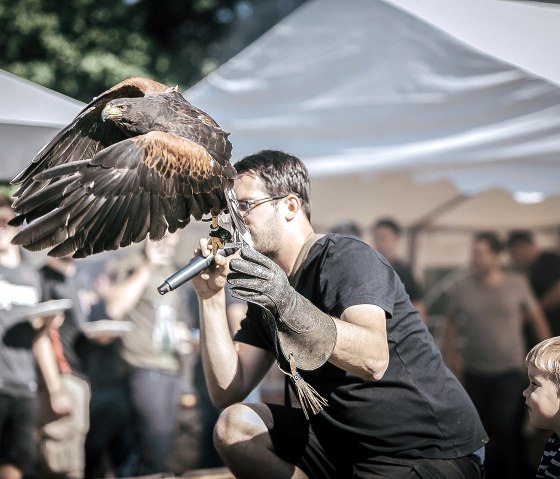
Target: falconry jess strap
300,260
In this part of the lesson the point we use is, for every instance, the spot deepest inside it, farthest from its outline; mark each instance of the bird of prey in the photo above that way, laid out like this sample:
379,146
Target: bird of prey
138,160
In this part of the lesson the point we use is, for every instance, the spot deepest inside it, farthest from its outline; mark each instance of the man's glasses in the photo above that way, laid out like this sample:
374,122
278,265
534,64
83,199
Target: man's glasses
246,206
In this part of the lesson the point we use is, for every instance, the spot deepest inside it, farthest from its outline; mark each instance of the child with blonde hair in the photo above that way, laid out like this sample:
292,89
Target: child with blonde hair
542,398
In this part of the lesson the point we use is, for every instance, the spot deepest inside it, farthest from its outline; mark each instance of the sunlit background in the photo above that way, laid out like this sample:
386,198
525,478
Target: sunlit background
442,115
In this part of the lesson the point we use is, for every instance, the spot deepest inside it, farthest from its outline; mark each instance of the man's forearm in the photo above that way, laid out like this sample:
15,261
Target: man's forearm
360,351
219,356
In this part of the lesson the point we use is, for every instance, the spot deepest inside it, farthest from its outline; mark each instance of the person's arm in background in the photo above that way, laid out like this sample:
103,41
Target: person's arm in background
421,307
43,350
551,299
532,311
537,319
125,295
450,337
450,349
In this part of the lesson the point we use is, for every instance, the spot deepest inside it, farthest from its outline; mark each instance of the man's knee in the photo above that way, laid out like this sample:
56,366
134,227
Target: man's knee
239,424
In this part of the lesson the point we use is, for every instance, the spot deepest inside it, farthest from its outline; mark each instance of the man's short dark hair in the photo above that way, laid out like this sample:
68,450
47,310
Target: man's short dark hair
491,239
390,224
519,237
281,174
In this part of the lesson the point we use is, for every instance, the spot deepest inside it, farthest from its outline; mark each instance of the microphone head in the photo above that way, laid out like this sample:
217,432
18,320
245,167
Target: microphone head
164,288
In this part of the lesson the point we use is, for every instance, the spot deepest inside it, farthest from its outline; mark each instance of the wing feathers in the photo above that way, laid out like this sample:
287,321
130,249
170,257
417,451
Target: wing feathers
92,188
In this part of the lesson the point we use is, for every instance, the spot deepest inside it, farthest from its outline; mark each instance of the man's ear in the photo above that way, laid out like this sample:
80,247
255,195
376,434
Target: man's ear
293,206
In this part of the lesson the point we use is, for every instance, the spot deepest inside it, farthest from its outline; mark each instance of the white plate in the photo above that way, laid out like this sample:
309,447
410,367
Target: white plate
44,309
107,327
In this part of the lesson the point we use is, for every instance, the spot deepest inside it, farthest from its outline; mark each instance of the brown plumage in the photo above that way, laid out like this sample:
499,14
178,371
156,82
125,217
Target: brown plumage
138,160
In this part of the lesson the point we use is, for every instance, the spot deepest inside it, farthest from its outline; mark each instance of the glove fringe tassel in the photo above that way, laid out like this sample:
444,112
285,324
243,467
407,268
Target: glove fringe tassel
310,400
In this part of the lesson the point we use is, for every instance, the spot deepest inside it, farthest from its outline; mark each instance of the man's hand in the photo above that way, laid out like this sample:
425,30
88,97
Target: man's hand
212,280
305,333
43,323
61,402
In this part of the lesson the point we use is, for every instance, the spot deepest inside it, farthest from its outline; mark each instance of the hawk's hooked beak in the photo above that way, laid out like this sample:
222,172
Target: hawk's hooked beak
110,112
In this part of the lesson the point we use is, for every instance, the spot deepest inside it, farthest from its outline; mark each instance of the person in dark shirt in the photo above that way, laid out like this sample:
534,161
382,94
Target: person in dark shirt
380,401
543,270
387,235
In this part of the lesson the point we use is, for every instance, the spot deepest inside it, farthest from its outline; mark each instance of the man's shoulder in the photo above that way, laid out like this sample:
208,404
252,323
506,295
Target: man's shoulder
346,244
335,239
335,253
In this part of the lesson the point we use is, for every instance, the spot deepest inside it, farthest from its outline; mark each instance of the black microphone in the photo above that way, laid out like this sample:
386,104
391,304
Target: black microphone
191,269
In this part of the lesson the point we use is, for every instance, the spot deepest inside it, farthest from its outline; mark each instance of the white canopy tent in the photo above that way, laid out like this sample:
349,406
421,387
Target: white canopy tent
394,115
30,115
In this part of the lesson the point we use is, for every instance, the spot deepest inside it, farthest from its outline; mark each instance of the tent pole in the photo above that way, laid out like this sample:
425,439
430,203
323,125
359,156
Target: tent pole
425,221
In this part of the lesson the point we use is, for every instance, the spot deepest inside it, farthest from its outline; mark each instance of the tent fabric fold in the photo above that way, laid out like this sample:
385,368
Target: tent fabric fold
367,88
30,116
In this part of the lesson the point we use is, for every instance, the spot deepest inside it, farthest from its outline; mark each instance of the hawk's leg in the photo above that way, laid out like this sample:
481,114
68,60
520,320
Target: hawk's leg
218,235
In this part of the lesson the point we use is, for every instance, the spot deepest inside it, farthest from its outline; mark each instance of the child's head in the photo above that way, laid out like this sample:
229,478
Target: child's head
542,396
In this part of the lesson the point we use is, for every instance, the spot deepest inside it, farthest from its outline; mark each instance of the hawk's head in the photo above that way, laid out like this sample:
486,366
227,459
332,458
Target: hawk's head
137,116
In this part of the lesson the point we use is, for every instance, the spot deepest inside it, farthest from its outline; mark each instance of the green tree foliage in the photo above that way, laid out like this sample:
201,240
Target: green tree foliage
75,47
82,47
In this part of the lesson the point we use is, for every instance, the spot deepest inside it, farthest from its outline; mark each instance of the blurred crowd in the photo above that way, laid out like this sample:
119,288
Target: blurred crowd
114,386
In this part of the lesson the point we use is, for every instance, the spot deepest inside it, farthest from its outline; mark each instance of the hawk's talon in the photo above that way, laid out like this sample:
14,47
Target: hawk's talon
215,243
214,225
218,236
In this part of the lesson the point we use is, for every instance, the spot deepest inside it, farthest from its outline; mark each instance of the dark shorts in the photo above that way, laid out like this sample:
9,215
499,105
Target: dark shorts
18,421
295,442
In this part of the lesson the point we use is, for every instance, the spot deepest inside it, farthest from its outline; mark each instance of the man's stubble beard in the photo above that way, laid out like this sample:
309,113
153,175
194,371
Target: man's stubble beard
267,238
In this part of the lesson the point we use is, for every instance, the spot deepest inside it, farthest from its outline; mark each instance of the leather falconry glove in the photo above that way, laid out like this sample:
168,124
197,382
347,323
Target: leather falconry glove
305,335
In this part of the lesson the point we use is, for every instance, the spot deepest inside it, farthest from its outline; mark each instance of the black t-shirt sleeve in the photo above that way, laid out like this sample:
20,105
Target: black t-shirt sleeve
251,330
352,273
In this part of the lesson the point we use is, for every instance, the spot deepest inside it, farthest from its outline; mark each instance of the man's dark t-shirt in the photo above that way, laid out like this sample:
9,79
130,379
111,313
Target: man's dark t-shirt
418,408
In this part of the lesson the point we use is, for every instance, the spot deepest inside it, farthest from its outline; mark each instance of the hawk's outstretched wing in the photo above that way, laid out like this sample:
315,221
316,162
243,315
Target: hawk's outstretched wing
138,160
148,184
